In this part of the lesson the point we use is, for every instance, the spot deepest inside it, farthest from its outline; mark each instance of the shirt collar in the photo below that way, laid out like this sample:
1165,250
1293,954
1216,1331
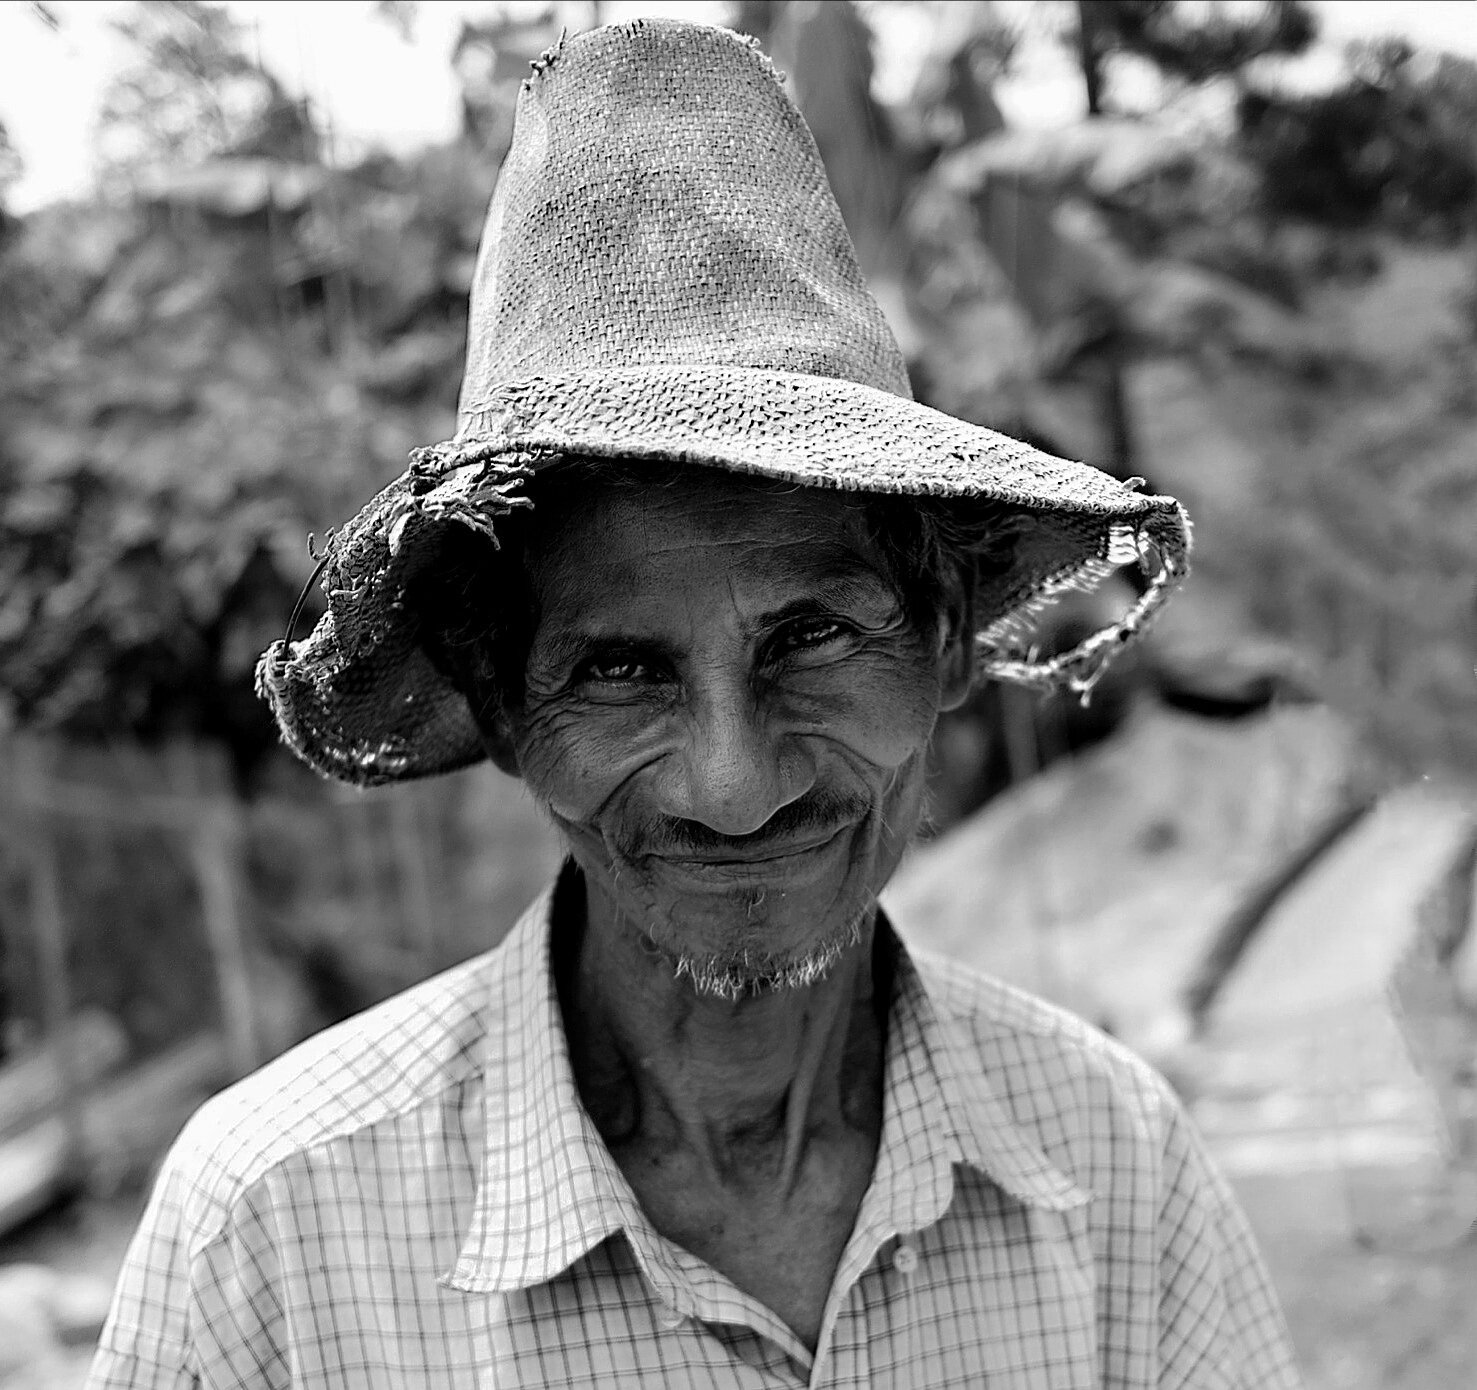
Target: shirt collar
930,1053
549,1191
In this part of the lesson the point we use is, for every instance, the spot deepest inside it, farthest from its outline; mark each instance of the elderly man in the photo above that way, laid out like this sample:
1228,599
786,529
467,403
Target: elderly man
699,571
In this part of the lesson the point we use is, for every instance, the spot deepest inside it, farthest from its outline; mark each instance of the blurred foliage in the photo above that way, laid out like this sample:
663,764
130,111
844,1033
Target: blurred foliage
1194,44
400,15
190,93
241,342
1395,144
191,378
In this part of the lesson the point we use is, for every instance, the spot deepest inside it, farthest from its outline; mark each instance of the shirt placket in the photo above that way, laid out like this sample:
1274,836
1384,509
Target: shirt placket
846,1361
690,1291
901,1200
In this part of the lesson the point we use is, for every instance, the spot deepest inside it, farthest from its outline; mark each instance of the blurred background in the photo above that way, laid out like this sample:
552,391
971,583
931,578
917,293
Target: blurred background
1230,248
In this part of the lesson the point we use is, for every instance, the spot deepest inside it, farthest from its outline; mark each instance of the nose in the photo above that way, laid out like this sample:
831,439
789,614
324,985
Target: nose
733,770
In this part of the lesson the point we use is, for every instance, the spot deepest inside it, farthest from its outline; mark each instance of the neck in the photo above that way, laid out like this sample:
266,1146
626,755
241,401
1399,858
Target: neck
744,1086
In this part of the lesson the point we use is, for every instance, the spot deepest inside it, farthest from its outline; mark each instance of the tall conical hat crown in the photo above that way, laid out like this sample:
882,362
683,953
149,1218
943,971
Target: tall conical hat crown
665,276
664,204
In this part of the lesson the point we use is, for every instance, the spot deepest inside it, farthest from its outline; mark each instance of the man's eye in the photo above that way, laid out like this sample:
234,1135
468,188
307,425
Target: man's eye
807,633
614,669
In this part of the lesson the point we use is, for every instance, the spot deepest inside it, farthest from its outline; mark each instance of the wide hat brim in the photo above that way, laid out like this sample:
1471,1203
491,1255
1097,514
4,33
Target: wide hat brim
361,701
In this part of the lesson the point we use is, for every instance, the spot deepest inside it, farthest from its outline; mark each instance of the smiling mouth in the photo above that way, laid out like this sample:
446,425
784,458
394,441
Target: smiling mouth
732,857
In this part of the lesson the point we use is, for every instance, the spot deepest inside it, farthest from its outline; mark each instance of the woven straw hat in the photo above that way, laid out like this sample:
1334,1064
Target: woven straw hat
665,275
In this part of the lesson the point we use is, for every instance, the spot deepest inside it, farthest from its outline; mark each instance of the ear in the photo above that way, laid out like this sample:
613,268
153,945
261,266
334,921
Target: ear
956,650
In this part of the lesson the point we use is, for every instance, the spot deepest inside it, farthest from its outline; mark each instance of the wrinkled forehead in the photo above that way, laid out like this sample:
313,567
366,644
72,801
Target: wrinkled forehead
630,526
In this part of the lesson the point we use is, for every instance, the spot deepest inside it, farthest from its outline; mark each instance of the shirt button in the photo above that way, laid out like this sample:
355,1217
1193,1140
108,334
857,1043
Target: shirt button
905,1259
671,1320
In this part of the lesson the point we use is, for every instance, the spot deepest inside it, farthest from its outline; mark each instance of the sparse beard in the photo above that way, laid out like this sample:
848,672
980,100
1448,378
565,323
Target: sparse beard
745,976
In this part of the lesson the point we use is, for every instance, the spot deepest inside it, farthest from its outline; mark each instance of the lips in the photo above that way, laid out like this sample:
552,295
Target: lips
743,857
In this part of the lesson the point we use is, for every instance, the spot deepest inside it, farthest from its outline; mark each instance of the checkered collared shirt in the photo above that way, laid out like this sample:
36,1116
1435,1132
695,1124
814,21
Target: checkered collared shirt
416,1198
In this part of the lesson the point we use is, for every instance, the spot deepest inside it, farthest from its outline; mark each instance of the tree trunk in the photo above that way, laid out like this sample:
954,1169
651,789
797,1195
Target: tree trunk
1089,54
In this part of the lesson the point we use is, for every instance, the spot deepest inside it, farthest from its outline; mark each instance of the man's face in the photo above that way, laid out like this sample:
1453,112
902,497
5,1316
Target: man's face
726,710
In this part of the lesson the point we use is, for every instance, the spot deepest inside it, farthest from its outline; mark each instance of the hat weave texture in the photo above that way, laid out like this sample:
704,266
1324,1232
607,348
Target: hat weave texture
665,275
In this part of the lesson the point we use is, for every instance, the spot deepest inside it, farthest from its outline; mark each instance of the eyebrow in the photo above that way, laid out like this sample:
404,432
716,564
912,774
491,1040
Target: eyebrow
846,586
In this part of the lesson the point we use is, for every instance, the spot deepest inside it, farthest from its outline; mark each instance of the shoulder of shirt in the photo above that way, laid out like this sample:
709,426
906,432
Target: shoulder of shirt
415,1049
1037,1053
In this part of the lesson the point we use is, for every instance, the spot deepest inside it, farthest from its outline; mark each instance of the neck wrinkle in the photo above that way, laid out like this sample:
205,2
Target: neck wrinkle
657,1063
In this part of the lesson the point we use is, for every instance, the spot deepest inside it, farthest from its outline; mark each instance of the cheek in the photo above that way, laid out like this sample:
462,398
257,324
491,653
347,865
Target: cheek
574,762
883,711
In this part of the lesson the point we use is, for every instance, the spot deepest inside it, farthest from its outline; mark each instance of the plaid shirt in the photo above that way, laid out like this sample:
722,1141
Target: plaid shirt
417,1198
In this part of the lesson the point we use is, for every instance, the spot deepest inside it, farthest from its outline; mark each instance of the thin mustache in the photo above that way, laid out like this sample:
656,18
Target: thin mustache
673,836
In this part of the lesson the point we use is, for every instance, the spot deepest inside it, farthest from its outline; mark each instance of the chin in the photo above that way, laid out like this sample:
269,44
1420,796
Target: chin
757,939
746,973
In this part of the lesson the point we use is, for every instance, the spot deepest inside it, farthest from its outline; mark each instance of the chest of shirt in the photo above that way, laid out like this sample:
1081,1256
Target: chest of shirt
993,1294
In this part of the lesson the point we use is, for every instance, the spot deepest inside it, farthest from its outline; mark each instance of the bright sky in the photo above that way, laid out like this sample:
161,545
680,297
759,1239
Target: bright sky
379,90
